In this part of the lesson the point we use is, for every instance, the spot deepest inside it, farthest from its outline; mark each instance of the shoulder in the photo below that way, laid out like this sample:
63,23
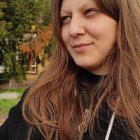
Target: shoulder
11,128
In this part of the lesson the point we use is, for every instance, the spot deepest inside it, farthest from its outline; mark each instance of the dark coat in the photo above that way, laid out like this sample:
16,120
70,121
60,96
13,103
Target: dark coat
15,128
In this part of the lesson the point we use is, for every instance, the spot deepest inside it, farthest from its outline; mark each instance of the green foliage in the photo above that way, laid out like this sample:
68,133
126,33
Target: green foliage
47,12
16,20
4,78
50,47
48,51
10,61
20,74
3,23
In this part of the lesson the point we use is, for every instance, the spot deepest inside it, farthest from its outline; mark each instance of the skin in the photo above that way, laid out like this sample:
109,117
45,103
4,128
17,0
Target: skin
89,34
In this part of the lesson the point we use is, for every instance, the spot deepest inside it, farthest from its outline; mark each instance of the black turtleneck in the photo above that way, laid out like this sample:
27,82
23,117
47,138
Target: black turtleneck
88,76
119,130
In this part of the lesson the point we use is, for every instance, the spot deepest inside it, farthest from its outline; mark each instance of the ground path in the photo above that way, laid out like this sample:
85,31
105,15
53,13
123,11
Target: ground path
9,95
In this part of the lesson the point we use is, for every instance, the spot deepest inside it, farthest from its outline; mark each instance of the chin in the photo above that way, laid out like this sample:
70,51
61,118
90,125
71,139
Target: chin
85,66
96,69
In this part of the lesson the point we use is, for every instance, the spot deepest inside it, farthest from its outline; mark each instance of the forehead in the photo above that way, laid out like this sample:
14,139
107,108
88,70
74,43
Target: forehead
68,5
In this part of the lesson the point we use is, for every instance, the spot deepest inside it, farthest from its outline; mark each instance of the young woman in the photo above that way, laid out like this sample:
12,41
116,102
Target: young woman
91,89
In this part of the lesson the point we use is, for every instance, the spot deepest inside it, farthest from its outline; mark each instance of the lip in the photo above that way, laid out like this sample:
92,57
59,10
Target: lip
81,47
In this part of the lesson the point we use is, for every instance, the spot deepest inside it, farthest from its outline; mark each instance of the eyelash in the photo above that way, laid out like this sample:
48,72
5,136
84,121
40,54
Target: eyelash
64,18
87,12
93,10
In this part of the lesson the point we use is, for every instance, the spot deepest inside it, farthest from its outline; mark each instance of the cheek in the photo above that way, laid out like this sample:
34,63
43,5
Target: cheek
104,28
94,29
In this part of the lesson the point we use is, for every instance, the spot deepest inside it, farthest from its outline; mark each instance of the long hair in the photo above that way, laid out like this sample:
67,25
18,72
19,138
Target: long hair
53,104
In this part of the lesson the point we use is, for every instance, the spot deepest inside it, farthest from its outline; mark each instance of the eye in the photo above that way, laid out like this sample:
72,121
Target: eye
65,19
91,11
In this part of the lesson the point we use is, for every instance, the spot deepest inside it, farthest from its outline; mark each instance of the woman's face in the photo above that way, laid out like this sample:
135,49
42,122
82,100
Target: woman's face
89,35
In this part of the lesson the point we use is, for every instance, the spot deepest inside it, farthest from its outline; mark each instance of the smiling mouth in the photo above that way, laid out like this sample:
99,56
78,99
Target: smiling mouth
81,47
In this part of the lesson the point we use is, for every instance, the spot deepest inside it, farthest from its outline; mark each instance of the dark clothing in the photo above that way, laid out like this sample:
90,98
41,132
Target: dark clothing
119,130
15,128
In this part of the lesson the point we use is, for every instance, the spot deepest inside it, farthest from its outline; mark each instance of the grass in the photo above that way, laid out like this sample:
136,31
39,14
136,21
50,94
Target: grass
6,104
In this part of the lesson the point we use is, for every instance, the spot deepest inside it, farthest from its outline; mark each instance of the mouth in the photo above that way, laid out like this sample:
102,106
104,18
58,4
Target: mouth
81,47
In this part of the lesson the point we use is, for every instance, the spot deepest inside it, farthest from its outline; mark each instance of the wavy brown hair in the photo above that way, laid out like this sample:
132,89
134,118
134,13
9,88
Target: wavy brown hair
53,104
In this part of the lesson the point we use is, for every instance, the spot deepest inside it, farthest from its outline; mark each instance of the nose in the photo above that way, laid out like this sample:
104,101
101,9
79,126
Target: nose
76,27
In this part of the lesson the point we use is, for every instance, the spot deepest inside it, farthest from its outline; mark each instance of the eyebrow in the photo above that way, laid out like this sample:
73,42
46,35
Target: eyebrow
63,10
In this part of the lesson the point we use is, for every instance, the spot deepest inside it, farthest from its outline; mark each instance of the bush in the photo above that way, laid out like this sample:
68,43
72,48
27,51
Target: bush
4,78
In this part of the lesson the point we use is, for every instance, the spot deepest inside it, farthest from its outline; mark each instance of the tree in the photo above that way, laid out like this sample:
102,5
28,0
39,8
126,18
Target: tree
20,16
3,30
33,47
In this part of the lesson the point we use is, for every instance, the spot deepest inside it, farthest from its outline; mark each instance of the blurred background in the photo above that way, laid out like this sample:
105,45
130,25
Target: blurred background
26,45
